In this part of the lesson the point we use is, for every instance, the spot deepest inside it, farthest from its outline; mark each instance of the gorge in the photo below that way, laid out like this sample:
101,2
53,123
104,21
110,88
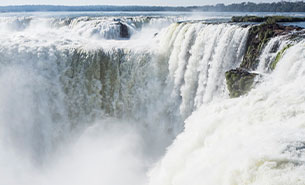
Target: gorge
112,100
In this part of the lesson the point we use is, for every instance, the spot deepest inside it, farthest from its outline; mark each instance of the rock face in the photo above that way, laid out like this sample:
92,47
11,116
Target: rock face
268,19
124,33
258,38
239,81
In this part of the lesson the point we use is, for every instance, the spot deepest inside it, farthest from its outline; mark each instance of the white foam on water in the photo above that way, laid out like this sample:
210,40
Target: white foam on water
254,139
79,104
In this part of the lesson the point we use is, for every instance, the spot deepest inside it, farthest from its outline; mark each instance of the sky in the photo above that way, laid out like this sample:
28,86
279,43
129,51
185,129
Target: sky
125,2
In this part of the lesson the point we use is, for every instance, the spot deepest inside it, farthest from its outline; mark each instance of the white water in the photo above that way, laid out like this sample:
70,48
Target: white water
81,105
270,52
254,139
198,53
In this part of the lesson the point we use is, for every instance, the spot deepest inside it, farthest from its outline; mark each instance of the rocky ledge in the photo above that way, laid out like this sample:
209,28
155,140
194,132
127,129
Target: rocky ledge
240,80
268,19
258,37
124,33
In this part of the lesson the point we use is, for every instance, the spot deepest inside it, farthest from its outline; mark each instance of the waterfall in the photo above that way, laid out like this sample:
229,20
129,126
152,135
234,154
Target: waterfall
86,100
254,139
197,54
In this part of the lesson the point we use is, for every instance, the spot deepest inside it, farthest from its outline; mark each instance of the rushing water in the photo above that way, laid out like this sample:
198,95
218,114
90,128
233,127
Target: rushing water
96,99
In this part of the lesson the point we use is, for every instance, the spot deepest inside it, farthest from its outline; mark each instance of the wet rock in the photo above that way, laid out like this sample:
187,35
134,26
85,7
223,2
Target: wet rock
124,33
258,37
268,19
239,81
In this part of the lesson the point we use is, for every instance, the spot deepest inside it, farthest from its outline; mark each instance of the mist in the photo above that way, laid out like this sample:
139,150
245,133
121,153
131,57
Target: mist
134,99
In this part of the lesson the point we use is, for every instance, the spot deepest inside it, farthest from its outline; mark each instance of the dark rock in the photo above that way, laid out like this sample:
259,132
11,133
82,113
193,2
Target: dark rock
124,33
258,37
239,81
268,19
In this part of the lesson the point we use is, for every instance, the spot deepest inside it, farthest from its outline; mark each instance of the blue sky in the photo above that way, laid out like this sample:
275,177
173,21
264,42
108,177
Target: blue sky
125,2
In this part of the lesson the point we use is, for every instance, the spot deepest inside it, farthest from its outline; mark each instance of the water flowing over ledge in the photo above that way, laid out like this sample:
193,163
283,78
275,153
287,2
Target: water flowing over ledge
106,86
254,139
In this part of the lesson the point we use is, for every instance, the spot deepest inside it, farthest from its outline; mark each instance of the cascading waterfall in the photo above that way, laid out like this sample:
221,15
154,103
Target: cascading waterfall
198,53
270,52
89,99
254,139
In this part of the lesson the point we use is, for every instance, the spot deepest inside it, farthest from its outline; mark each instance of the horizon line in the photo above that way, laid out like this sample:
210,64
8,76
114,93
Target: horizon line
124,5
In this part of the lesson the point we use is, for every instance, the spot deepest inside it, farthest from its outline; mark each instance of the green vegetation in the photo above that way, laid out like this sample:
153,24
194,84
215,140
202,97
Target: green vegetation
239,82
257,38
248,19
278,57
267,19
